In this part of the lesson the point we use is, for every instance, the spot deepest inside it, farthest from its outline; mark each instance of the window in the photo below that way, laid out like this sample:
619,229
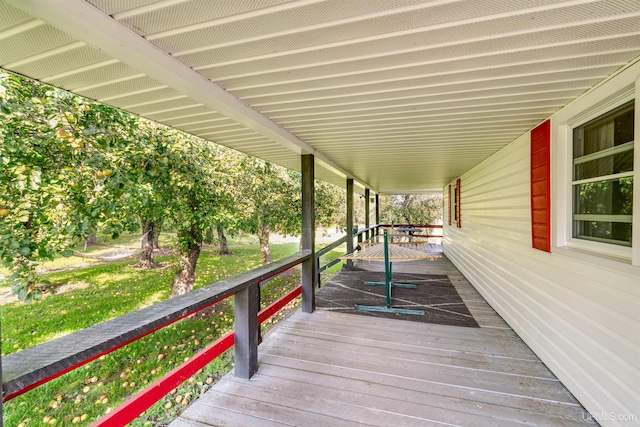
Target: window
457,206
449,207
603,177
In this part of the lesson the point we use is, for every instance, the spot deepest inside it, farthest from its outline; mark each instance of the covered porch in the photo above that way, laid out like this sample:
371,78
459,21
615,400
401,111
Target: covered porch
476,100
332,368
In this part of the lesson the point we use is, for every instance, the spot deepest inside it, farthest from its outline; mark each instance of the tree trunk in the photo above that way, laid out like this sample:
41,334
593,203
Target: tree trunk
263,236
208,238
184,280
186,277
148,236
156,234
91,239
222,240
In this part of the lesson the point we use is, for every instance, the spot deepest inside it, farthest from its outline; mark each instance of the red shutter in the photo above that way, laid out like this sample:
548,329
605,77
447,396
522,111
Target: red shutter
449,199
541,187
458,219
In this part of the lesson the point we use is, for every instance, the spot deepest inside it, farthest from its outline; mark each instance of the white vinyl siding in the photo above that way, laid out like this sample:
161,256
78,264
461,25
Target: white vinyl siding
576,307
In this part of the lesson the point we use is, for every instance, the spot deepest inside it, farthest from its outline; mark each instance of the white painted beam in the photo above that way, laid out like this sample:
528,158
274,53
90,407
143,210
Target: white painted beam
88,24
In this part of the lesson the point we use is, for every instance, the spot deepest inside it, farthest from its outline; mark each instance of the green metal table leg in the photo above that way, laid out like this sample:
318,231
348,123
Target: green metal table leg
387,270
388,284
381,309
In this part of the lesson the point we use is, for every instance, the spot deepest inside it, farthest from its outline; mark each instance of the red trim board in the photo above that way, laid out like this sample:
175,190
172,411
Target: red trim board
541,187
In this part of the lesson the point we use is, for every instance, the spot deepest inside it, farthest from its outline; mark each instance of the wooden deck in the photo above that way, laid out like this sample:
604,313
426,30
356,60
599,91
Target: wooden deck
335,369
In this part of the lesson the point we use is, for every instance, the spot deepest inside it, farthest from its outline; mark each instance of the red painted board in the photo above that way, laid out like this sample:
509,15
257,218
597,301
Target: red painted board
458,209
541,187
449,200
142,401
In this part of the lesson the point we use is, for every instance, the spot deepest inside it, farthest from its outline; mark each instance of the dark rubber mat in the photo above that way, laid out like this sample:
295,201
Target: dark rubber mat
434,294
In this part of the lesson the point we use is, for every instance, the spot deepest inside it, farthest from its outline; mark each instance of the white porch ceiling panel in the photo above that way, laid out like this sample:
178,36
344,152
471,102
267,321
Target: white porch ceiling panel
401,95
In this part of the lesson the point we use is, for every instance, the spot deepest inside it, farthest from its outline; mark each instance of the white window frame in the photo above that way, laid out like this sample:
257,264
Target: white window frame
562,236
594,156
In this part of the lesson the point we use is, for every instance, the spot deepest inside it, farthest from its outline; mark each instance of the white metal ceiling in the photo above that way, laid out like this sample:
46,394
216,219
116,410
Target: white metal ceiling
402,95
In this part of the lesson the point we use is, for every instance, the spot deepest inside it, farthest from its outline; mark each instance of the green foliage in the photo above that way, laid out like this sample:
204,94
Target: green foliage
411,209
264,193
71,166
328,201
270,199
610,198
58,177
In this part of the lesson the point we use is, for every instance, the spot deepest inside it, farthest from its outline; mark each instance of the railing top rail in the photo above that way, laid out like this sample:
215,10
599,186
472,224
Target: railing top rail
31,367
364,230
341,240
331,246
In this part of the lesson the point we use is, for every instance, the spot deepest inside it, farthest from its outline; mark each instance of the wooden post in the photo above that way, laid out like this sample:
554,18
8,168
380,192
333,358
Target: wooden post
350,219
377,213
246,331
259,302
307,239
367,216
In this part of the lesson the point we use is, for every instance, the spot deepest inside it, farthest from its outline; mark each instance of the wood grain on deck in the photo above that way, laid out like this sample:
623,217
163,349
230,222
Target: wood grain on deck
336,369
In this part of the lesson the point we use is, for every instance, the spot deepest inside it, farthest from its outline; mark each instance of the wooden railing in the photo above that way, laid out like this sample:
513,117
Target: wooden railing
37,365
413,228
365,233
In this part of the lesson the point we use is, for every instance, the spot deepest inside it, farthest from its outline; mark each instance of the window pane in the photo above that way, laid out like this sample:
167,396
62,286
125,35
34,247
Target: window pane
612,198
609,131
623,127
616,163
601,231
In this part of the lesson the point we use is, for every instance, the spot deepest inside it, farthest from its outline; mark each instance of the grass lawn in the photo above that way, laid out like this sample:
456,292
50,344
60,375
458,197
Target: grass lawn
95,294
126,241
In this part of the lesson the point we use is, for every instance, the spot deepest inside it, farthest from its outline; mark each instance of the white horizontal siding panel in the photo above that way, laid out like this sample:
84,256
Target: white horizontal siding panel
577,311
513,203
601,309
571,340
488,234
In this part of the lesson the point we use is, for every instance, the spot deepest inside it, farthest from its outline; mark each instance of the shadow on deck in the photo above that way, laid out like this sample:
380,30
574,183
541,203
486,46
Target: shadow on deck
339,369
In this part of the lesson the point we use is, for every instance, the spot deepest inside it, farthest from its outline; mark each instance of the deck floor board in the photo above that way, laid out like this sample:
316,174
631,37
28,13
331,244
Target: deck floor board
338,369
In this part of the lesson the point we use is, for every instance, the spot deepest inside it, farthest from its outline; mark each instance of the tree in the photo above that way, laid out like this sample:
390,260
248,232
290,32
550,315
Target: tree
266,189
271,201
72,166
359,205
58,179
328,201
198,200
233,163
148,171
418,209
